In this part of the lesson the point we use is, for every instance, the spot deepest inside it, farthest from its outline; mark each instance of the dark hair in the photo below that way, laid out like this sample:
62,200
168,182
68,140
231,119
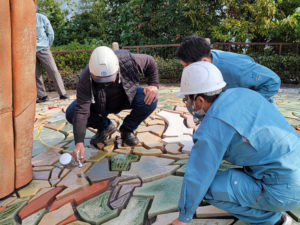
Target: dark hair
209,99
193,49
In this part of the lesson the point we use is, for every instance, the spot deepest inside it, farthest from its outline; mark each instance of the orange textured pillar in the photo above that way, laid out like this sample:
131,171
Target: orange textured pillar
24,87
7,163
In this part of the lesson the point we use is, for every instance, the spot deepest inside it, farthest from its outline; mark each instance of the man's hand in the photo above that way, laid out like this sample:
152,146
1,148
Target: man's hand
178,222
79,147
151,93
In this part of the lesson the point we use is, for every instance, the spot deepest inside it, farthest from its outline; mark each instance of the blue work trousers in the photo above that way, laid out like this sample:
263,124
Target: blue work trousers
140,111
251,200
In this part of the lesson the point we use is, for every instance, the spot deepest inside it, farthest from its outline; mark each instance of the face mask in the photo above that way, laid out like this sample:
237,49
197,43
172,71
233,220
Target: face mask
198,115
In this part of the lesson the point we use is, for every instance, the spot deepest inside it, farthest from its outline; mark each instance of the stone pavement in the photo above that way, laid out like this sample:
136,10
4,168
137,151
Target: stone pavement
118,184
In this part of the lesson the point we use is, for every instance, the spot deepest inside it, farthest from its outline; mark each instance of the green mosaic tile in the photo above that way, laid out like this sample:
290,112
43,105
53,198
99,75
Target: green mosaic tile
48,136
211,222
121,162
68,128
9,222
166,194
96,210
18,200
181,162
133,214
181,171
33,188
35,218
11,211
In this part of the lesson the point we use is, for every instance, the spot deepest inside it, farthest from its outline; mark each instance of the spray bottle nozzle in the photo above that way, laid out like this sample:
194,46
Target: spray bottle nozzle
78,159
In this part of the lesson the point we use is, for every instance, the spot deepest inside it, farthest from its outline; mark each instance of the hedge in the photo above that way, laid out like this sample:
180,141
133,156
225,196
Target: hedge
71,64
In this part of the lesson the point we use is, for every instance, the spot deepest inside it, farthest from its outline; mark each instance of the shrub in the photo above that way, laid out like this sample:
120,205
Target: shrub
70,66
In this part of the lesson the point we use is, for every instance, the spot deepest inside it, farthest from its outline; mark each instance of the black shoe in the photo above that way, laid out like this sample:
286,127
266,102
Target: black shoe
64,97
101,135
42,99
128,137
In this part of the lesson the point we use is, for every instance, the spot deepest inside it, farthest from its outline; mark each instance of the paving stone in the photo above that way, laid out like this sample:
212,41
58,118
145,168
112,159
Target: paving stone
181,109
159,145
155,129
121,162
156,122
123,114
42,202
147,138
127,188
82,195
175,157
48,136
64,173
68,220
211,222
182,162
78,223
35,218
175,123
68,128
41,175
55,173
133,214
56,126
166,192
93,155
211,211
18,200
147,152
47,158
151,168
123,151
109,148
120,203
295,214
173,148
9,222
132,181
96,210
57,216
41,192
11,211
56,117
181,170
166,219
33,187
189,120
6,201
185,140
103,166
114,194
42,168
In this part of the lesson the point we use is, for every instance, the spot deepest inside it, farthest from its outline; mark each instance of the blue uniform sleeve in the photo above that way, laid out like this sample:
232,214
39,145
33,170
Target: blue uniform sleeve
211,140
263,80
49,30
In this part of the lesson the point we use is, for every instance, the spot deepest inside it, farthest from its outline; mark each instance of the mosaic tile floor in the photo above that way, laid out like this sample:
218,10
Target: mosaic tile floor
117,184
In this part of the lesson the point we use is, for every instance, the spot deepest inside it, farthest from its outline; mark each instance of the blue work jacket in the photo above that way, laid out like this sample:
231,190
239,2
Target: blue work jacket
240,70
245,129
44,32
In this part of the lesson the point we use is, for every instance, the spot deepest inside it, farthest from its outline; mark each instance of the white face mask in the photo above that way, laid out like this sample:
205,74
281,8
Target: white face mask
199,114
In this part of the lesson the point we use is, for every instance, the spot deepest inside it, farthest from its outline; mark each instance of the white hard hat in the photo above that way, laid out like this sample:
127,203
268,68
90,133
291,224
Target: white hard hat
104,65
201,78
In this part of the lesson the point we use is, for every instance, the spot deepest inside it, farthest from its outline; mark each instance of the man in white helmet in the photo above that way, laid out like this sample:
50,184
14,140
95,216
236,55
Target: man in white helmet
242,127
109,84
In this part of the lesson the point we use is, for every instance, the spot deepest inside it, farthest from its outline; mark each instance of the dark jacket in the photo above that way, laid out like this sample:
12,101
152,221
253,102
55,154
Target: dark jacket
131,65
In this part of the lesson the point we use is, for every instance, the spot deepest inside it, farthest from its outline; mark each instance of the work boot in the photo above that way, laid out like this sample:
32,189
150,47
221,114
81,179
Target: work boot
62,97
42,99
128,137
101,135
